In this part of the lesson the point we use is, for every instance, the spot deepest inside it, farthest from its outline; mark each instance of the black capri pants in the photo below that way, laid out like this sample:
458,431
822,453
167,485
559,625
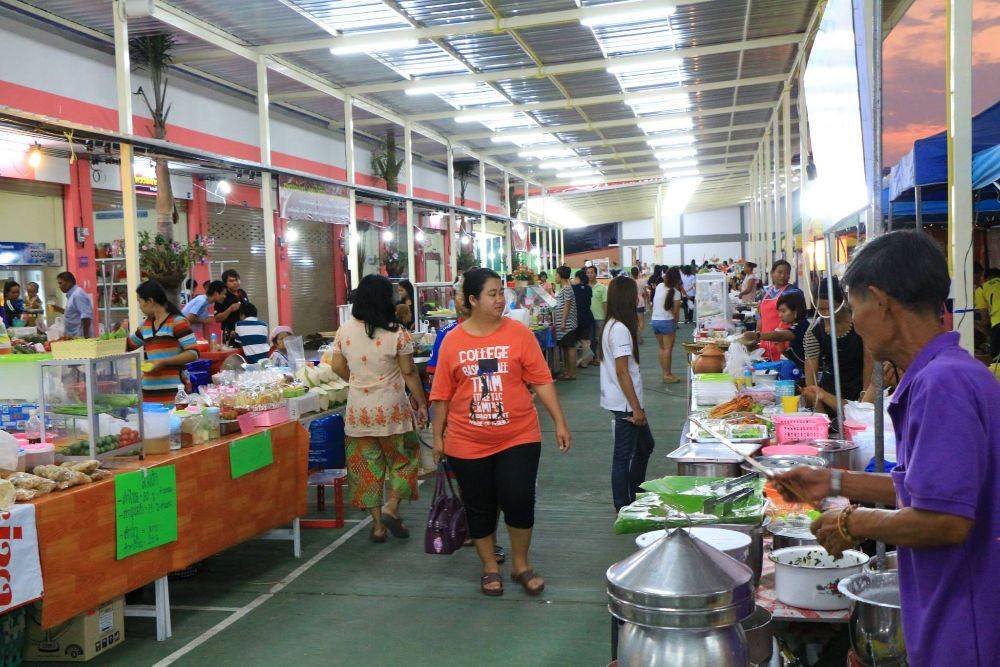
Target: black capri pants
502,481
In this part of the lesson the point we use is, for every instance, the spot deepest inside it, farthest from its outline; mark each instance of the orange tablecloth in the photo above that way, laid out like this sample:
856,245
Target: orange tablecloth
76,527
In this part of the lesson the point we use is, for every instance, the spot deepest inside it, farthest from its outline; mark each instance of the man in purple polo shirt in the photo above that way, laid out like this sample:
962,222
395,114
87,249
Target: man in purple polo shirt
946,487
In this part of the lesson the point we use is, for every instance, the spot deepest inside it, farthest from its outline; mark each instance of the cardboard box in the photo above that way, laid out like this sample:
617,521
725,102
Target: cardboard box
80,639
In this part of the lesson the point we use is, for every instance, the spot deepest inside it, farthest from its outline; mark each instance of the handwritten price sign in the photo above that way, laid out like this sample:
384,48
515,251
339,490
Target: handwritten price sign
145,509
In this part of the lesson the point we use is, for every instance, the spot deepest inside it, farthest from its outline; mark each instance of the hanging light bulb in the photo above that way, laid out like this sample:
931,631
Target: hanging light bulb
35,156
388,236
465,240
419,236
224,188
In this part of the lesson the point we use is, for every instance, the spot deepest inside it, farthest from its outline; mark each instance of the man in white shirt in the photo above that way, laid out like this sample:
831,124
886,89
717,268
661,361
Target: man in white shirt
78,314
197,310
622,395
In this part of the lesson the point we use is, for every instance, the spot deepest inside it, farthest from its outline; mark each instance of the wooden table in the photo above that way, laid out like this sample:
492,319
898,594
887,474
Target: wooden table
76,527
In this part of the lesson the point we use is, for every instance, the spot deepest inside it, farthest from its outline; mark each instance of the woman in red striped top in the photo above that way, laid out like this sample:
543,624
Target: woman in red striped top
166,339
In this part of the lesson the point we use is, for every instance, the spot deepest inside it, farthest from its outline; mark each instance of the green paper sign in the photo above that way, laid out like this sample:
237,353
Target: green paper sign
250,453
145,509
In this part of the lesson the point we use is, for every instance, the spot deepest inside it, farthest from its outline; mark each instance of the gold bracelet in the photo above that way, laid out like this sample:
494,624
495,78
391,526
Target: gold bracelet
845,515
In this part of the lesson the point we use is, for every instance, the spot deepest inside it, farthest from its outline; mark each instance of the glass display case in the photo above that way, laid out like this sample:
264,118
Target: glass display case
92,407
435,304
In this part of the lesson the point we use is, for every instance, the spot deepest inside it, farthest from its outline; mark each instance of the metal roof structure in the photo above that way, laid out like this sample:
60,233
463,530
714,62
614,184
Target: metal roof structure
602,101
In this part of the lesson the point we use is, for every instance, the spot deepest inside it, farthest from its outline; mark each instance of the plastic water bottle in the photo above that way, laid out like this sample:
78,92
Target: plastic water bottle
213,343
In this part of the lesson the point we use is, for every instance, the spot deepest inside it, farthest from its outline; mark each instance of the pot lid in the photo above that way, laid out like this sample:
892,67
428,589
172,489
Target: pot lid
784,462
832,445
680,582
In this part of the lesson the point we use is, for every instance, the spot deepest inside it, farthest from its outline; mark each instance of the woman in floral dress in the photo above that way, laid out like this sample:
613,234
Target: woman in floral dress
375,355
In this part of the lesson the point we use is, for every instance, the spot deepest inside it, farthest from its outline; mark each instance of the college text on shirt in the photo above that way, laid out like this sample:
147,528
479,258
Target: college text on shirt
485,368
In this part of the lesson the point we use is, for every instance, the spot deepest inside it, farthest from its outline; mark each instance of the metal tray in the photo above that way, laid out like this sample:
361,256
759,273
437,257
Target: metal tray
698,452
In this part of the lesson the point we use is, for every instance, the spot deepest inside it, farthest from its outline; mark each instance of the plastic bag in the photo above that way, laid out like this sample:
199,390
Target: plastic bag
8,451
737,359
57,329
296,352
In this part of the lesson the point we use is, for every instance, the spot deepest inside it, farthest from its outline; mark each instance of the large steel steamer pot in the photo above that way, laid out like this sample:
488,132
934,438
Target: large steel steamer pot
760,636
681,603
842,454
876,626
709,468
756,533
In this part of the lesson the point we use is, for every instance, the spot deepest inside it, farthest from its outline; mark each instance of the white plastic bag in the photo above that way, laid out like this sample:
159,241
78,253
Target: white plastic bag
8,451
57,329
737,359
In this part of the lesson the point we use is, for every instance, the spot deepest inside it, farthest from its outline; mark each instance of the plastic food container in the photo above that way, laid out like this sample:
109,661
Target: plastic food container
39,454
156,424
790,450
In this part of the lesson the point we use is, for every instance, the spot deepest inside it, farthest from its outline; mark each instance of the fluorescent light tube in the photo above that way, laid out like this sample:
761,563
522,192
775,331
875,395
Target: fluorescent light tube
375,46
619,14
642,66
435,88
672,124
671,140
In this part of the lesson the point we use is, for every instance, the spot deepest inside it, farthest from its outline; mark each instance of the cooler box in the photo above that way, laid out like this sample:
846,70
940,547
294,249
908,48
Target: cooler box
326,443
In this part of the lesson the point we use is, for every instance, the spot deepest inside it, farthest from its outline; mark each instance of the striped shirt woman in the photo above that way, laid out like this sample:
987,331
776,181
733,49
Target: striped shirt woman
167,340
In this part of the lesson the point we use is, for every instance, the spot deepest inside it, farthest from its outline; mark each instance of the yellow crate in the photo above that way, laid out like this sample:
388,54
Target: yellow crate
87,348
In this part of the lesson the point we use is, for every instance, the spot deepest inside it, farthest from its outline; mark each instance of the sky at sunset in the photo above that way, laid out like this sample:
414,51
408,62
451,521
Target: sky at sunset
914,66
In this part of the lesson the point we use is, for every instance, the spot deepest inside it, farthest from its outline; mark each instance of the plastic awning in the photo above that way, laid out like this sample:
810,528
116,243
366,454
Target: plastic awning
985,167
927,162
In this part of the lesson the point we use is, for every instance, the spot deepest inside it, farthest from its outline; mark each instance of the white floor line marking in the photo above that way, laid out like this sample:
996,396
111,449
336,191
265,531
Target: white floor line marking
260,599
194,607
264,597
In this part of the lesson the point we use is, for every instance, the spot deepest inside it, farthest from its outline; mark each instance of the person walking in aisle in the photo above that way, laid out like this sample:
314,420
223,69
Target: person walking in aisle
584,316
599,309
621,393
666,309
79,311
167,341
486,424
564,319
688,283
375,355
640,301
227,310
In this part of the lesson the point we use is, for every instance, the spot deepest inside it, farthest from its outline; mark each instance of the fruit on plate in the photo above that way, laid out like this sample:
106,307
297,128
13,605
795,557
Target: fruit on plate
127,436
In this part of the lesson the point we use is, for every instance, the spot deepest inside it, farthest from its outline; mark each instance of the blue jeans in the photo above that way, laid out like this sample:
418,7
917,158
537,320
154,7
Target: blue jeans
633,447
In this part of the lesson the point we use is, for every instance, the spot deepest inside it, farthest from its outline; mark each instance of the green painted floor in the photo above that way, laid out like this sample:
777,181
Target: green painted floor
391,604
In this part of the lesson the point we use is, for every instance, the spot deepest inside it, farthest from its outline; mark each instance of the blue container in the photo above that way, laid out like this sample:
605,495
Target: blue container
326,443
784,388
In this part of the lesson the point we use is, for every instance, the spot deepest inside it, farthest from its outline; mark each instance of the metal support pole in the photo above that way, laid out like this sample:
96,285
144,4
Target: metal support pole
786,136
527,218
959,133
353,238
508,248
456,241
483,245
562,246
916,203
411,246
658,225
546,245
266,195
776,184
767,197
123,81
831,239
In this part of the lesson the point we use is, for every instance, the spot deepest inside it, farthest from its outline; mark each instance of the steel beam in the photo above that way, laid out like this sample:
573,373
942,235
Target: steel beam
959,135
353,238
266,194
786,137
411,245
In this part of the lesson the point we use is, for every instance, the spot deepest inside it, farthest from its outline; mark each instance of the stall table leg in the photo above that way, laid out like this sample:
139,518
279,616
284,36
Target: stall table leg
292,534
160,610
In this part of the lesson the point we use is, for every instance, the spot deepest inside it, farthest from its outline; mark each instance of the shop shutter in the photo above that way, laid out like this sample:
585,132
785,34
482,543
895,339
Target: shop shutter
312,275
31,188
239,240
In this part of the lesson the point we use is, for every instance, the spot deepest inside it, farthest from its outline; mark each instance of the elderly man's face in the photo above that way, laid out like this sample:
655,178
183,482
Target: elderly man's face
873,322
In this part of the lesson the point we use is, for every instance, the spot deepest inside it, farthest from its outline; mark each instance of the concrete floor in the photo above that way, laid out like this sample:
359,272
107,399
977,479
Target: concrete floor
348,601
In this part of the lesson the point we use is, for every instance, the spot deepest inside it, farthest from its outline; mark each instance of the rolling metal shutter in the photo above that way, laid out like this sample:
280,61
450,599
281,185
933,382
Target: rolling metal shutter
31,188
239,238
311,258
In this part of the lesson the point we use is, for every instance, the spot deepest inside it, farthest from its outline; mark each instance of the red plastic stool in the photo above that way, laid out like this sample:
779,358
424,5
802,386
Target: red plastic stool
321,479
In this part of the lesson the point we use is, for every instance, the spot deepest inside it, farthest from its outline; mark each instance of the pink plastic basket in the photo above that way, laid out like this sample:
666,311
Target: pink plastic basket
797,426
252,421
852,428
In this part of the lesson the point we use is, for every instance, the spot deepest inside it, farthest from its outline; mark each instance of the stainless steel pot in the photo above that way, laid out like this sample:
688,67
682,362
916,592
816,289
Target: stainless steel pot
791,535
709,469
755,559
876,626
841,454
887,562
760,636
785,462
642,646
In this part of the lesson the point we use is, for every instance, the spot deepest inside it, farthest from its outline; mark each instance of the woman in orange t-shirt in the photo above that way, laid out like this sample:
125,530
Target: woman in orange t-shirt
485,422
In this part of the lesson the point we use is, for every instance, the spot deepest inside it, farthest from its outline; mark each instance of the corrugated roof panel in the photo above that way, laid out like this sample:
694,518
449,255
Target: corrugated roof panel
490,52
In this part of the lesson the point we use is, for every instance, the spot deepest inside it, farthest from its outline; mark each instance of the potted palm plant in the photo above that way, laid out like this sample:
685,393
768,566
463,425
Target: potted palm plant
387,163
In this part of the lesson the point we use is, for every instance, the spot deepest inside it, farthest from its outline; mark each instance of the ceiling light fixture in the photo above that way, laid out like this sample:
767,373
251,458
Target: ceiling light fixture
291,235
483,115
577,173
618,14
666,124
683,173
542,153
671,140
678,195
523,138
563,164
595,180
678,164
388,236
641,66
35,156
375,46
435,88
419,236
223,188
677,154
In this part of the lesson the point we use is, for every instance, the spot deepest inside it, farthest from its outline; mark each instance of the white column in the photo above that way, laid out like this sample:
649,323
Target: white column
562,246
527,218
123,80
959,90
411,245
786,118
266,196
483,246
766,191
353,238
658,225
776,166
544,232
509,237
752,208
456,241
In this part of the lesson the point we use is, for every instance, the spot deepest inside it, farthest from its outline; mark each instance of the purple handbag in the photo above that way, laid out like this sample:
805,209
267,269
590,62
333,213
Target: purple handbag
446,526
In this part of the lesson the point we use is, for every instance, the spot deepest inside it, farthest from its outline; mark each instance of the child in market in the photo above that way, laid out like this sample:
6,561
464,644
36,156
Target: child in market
32,304
252,334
